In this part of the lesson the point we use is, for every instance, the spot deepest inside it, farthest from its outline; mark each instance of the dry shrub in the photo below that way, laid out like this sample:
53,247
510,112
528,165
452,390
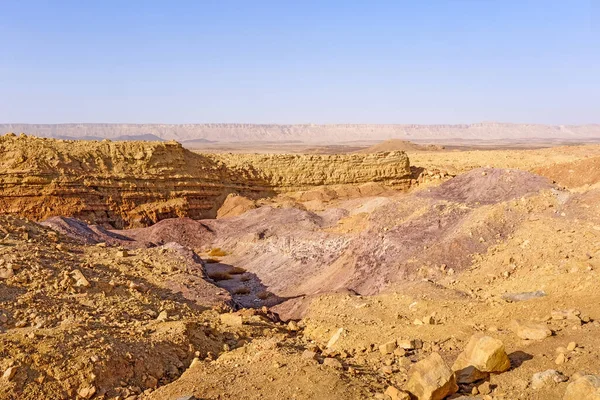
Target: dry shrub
236,270
241,290
264,295
219,276
217,252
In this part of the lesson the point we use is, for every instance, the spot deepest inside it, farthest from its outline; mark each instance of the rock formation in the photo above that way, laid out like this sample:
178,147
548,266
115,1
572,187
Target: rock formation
128,184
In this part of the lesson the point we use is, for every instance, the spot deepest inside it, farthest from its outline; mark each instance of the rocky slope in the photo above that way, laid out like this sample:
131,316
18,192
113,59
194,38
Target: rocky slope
484,286
334,133
128,184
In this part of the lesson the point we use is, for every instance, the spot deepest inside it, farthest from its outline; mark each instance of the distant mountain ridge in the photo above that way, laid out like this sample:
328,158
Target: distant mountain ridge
123,138
307,133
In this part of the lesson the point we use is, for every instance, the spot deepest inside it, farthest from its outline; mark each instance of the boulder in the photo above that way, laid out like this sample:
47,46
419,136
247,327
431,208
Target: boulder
486,354
586,387
530,330
431,379
482,355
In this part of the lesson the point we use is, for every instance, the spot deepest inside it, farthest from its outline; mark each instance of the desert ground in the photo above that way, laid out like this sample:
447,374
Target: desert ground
386,270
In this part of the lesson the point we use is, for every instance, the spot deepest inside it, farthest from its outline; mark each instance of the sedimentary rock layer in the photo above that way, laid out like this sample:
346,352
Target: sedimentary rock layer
127,184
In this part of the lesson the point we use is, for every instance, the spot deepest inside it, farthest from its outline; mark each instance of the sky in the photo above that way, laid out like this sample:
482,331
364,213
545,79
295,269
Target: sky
370,61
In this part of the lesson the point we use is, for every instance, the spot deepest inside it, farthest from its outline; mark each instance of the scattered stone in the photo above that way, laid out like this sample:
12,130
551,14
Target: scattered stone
571,314
336,336
152,382
388,348
311,355
6,273
332,362
9,373
529,330
560,359
162,316
187,397
545,378
396,394
231,319
86,392
400,352
431,379
293,326
571,346
523,296
409,344
80,279
122,253
484,388
387,369
586,387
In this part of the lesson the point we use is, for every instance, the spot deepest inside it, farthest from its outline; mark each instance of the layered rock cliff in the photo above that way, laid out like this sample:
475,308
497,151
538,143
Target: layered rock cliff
284,172
128,184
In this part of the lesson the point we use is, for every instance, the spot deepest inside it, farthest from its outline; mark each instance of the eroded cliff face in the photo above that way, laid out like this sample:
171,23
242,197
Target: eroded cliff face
129,184
285,172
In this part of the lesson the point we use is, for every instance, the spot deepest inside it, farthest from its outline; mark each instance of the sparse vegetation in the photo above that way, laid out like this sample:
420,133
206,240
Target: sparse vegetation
264,295
236,271
241,290
219,276
217,252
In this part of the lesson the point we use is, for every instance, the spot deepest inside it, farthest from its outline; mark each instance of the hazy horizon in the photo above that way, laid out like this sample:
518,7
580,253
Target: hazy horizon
302,123
441,62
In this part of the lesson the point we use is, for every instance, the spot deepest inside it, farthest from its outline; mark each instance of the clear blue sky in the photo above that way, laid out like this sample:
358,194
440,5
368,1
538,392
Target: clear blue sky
302,61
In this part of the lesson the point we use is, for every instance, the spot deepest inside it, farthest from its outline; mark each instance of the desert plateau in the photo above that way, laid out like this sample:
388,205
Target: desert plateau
144,270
